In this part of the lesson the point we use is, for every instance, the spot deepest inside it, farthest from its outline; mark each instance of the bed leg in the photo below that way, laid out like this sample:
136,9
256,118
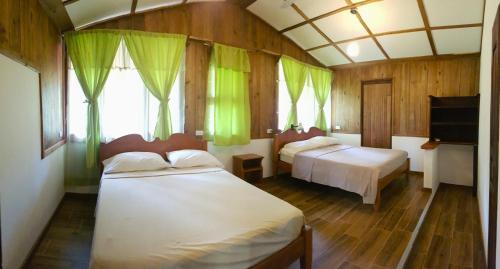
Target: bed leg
376,206
306,258
275,171
408,169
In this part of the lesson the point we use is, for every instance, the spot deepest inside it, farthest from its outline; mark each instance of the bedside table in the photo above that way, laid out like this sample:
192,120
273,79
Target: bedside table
248,166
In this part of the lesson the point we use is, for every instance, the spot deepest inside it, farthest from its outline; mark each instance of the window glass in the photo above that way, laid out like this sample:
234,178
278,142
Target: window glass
125,105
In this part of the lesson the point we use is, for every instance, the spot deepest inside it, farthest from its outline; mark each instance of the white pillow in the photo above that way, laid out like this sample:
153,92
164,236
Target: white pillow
324,140
134,161
312,143
295,147
191,158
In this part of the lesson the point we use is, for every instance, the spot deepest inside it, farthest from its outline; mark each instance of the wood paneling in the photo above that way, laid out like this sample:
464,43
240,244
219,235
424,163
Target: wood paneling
28,36
197,59
413,82
376,114
229,24
263,85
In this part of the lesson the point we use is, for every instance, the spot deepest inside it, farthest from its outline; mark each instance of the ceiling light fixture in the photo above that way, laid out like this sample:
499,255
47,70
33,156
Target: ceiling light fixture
353,49
354,11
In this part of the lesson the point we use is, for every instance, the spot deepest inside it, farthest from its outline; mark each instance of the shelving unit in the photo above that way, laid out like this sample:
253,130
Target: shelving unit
455,120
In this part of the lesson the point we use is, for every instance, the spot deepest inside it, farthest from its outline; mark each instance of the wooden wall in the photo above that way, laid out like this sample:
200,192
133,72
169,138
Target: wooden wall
228,24
28,36
413,82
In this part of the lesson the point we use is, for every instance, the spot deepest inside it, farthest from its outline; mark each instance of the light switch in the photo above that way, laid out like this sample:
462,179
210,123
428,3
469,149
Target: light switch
199,133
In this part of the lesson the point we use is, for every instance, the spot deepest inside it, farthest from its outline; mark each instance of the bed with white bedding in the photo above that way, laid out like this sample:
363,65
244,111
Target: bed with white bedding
315,158
200,217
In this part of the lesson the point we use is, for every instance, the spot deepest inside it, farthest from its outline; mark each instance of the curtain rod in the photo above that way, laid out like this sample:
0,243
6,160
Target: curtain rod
210,43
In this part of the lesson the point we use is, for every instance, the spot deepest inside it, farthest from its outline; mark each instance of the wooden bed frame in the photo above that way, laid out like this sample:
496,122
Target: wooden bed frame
300,248
290,135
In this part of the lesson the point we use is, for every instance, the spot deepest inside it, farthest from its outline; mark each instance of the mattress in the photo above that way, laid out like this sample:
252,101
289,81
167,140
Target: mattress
286,156
188,218
355,169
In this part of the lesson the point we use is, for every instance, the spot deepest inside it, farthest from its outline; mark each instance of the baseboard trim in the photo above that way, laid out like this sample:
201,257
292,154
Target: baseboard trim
417,173
42,234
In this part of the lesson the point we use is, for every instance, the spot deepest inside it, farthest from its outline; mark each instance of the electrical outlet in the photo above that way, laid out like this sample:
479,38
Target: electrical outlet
269,131
199,133
337,127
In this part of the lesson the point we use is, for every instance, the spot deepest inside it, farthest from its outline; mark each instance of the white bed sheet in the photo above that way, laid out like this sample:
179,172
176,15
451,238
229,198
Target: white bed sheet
286,156
188,218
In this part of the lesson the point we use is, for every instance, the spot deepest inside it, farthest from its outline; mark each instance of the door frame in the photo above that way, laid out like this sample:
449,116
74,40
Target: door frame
376,81
494,136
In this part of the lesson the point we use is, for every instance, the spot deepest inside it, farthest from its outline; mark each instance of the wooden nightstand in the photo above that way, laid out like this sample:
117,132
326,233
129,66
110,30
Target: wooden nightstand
248,166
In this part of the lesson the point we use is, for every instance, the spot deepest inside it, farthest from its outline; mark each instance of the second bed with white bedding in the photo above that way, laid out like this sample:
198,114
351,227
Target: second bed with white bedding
355,169
188,218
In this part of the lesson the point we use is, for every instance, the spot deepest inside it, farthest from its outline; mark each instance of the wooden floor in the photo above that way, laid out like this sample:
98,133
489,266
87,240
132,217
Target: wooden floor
451,234
346,233
349,234
68,239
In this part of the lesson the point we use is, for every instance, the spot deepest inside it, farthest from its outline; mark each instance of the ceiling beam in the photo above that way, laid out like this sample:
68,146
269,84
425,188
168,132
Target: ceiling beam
330,42
457,26
68,2
427,26
246,3
58,14
133,7
349,2
348,7
399,60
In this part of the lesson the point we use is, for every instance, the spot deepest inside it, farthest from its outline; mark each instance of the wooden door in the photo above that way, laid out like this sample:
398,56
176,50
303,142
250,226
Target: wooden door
376,116
494,124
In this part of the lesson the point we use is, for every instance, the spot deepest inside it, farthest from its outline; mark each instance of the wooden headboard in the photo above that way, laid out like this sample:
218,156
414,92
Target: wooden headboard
289,136
135,142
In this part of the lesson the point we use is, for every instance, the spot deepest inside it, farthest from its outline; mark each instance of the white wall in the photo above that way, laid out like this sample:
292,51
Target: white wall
30,188
484,119
412,146
257,146
455,164
348,139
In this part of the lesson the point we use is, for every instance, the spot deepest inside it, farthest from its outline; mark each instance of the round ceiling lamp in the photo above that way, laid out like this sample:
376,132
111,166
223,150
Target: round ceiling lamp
353,49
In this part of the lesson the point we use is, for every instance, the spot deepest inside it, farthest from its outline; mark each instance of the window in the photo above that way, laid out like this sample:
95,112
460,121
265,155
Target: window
125,104
307,106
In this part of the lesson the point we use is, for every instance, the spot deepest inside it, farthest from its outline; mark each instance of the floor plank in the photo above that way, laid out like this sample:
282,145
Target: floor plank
450,236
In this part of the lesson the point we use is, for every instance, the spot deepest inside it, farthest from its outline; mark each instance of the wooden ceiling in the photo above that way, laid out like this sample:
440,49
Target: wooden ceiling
381,29
85,13
326,29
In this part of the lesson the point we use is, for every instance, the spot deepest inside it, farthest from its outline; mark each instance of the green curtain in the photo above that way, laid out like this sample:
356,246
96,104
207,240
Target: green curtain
295,77
157,58
92,54
322,81
227,118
